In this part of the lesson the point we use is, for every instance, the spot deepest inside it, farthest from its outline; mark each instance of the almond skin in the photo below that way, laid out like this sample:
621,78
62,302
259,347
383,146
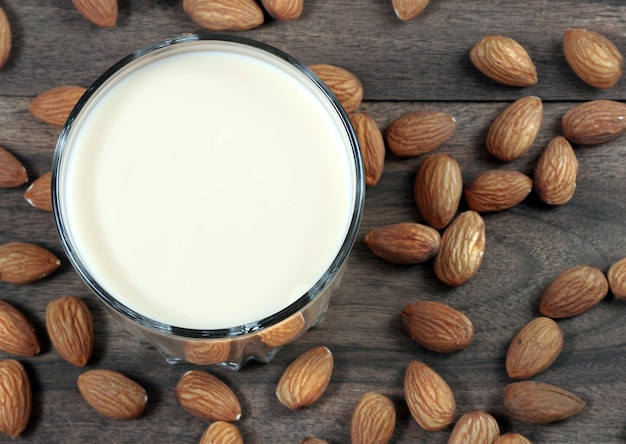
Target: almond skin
574,291
283,9
5,38
70,329
17,335
12,172
534,348
208,352
438,189
99,12
112,394
462,249
15,398
512,438
373,419
504,60
556,172
346,86
513,132
593,58
497,190
222,432
594,122
372,146
616,276
284,332
305,380
437,326
429,398
54,105
404,243
38,194
224,15
313,440
23,263
206,396
475,427
419,132
408,9
539,403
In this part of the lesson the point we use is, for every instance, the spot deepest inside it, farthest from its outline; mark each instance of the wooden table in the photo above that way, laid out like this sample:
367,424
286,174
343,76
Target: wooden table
422,64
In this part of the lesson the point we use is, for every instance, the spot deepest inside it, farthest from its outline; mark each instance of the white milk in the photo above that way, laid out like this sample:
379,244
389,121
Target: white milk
208,189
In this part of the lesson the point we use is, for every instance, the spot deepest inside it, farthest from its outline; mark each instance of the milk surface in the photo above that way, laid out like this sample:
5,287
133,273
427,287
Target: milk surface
208,189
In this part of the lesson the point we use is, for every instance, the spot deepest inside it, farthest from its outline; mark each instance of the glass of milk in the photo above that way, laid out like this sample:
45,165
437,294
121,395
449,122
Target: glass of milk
208,189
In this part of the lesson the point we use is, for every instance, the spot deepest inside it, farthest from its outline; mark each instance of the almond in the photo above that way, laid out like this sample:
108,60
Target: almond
283,9
497,190
555,172
222,432
514,130
419,132
305,380
5,38
15,398
17,335
207,352
38,194
224,15
534,348
512,438
438,189
346,86
504,60
12,172
539,402
99,12
475,427
437,326
206,396
23,263
462,249
112,394
373,419
371,145
313,440
54,105
616,277
284,332
408,9
70,328
594,122
404,243
593,57
573,292
429,398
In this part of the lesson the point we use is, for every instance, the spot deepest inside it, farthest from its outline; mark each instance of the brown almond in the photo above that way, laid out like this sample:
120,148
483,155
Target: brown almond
345,85
313,440
12,171
38,194
283,9
475,427
504,60
408,9
5,37
15,398
373,419
593,57
207,352
206,396
616,277
17,335
112,394
224,15
23,263
371,145
419,132
305,380
70,328
534,348
222,432
404,243
54,105
573,291
497,190
515,129
99,12
512,438
284,332
428,396
538,402
462,249
594,122
437,326
438,189
556,172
